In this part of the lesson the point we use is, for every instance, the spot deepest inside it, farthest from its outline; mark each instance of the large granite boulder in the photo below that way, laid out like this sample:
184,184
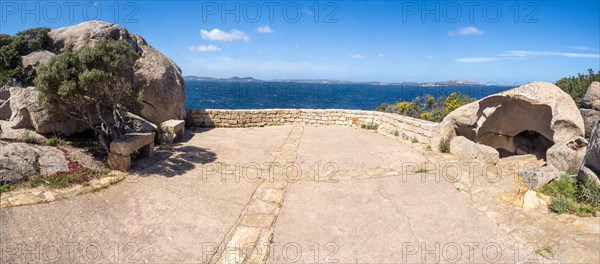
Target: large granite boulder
591,99
590,166
470,150
590,107
163,87
20,161
27,113
525,120
35,59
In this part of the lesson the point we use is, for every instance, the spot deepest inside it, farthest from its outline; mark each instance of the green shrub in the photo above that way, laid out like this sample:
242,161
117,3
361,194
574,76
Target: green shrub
444,145
588,191
559,205
576,86
427,107
575,197
396,133
414,140
53,141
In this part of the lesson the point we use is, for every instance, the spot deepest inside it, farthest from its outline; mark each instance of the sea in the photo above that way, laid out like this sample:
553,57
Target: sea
203,94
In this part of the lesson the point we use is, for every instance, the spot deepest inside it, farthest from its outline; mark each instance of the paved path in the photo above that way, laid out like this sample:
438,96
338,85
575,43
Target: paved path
276,194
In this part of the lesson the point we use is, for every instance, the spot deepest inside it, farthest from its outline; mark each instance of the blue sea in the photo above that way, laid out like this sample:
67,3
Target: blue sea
263,95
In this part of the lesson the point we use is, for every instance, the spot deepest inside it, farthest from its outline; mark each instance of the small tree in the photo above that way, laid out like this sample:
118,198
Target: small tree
94,84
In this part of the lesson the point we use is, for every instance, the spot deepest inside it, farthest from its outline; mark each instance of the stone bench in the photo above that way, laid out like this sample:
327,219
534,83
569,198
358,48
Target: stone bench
119,157
171,129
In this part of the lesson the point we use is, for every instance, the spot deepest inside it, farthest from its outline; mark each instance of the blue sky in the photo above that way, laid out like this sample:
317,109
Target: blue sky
505,42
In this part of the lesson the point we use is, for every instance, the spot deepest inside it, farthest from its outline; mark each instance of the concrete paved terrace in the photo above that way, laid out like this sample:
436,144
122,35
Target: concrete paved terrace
283,194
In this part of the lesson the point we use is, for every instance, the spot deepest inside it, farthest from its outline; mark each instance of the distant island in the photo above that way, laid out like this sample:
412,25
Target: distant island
324,81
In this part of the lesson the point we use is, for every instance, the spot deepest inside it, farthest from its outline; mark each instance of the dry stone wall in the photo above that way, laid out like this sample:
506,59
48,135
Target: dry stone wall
407,127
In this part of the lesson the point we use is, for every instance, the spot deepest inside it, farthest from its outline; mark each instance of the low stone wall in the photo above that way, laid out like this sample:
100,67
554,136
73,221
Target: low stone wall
407,127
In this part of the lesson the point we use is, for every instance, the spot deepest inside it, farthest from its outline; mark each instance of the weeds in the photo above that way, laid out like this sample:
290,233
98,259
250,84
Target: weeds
5,188
581,197
65,179
53,141
444,145
414,140
370,126
422,170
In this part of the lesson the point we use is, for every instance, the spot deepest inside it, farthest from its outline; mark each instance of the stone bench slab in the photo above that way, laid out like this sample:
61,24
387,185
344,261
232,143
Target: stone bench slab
131,142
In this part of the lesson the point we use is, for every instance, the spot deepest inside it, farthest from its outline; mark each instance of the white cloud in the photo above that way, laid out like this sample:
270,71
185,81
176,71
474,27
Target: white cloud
204,48
381,55
523,54
218,35
477,59
466,31
536,54
358,57
578,47
264,30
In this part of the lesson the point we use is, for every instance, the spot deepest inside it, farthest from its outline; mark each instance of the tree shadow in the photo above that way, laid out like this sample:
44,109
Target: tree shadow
173,160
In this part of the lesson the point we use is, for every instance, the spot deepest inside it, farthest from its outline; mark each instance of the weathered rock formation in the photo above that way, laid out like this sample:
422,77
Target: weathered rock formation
35,59
590,107
591,162
526,120
19,161
163,86
468,149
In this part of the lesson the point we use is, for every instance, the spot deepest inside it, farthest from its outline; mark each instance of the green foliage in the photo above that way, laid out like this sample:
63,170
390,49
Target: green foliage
456,100
13,47
370,126
414,140
5,188
576,86
570,196
422,170
65,179
53,141
444,145
427,107
560,205
588,192
565,186
91,82
396,133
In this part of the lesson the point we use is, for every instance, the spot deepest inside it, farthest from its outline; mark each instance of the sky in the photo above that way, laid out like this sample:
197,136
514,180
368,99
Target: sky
502,42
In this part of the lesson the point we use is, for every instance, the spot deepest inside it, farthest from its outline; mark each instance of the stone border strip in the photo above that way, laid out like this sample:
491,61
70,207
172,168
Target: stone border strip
46,195
249,240
407,127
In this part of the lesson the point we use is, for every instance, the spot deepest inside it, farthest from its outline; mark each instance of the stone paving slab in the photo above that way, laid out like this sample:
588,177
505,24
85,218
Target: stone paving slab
384,221
351,149
152,219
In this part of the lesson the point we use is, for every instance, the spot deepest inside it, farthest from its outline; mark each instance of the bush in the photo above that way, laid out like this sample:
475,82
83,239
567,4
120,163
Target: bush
13,47
444,145
570,196
576,86
560,205
90,83
427,107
